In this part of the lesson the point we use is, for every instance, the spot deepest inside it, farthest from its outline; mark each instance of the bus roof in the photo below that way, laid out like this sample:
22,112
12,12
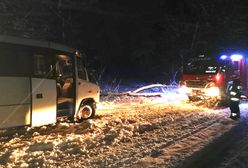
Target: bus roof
35,43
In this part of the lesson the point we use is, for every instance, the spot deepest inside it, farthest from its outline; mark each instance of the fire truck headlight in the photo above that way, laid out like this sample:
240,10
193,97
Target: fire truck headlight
213,91
184,89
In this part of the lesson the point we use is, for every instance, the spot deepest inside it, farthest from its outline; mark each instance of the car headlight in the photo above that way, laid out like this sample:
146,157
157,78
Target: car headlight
213,91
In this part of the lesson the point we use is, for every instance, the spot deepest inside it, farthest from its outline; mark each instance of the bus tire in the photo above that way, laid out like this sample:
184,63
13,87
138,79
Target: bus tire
86,111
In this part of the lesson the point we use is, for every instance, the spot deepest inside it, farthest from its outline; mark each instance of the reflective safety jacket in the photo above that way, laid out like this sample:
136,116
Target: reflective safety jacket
234,93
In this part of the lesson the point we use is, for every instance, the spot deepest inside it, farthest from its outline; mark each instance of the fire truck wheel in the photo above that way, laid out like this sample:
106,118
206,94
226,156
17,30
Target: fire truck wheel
86,111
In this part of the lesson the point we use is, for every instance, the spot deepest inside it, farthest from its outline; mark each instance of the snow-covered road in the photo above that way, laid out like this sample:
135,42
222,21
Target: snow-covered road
127,132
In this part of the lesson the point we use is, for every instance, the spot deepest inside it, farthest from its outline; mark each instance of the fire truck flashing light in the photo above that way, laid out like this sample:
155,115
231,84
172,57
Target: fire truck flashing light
233,57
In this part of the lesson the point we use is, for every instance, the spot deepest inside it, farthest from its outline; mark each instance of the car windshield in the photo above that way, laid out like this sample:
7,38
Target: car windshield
201,66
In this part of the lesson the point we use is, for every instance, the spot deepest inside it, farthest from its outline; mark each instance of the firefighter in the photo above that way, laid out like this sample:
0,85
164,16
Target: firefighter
234,92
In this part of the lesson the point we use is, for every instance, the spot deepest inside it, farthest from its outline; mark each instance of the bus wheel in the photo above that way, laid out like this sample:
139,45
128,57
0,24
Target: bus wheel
86,111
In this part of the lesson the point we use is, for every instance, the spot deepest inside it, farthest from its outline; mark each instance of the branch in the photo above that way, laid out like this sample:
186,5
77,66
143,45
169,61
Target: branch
153,94
148,87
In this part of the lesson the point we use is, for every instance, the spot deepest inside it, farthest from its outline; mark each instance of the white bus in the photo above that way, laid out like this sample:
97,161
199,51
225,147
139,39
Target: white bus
40,81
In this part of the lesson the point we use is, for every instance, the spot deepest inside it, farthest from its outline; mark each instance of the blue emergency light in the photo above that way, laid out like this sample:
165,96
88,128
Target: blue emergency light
236,57
223,57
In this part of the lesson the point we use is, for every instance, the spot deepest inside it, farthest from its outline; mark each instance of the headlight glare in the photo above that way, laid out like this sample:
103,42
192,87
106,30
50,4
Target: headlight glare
213,91
184,89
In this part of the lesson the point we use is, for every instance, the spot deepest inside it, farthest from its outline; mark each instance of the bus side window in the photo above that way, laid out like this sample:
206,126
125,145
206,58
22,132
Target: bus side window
81,70
42,66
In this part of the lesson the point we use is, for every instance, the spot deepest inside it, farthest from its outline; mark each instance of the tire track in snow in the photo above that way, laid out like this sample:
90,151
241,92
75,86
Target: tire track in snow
172,125
184,143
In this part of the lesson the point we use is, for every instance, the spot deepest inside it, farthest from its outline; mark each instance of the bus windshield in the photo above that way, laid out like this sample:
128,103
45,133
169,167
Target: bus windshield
201,66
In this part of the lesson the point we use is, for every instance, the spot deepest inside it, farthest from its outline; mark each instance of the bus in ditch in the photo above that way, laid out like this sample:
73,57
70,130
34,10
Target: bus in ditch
40,81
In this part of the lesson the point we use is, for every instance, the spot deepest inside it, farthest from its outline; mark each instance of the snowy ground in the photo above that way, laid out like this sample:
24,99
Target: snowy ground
127,132
237,154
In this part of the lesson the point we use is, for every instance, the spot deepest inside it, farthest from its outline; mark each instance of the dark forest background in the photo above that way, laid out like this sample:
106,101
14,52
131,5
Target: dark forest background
140,39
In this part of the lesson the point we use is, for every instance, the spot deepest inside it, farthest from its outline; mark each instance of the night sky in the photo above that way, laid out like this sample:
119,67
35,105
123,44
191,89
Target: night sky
138,39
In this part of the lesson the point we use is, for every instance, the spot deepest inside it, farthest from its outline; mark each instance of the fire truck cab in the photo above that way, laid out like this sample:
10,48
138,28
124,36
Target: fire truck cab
205,78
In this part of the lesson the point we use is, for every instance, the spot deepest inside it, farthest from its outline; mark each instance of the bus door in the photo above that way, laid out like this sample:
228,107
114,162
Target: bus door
65,72
44,94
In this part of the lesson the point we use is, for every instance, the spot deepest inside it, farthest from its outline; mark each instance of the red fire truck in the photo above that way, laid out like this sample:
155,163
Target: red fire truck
207,78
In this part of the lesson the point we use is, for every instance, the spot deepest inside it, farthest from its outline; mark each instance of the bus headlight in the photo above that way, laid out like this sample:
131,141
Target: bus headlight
213,91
